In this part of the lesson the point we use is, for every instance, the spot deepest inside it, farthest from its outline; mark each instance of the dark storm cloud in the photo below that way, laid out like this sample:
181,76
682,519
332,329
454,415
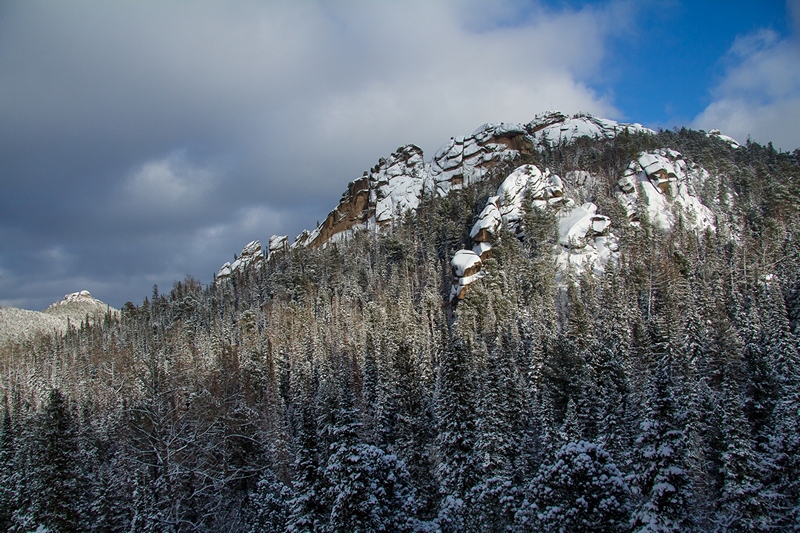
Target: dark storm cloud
141,142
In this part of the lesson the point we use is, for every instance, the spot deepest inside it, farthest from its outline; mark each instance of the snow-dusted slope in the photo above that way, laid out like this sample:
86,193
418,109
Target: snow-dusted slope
17,325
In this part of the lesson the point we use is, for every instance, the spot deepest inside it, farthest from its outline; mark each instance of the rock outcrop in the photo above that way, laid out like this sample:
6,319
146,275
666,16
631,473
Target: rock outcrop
554,127
658,180
716,134
466,160
389,189
466,266
585,237
278,243
651,186
251,256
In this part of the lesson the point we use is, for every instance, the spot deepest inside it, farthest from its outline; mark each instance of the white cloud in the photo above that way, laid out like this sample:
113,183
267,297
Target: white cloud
759,96
167,184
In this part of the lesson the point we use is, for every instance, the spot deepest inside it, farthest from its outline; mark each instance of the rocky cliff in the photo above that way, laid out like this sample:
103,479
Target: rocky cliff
659,186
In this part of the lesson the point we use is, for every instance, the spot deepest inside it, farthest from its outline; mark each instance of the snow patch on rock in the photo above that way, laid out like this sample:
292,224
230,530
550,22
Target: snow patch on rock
718,135
584,239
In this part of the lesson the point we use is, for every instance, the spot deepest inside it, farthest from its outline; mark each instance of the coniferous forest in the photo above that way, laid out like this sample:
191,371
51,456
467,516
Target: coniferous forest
339,390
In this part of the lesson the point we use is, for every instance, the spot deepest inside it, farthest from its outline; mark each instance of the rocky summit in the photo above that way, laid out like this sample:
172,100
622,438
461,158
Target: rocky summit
659,186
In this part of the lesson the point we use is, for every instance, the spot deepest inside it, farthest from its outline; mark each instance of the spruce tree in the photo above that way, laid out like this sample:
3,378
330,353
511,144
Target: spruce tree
500,434
580,490
8,470
455,412
663,498
55,481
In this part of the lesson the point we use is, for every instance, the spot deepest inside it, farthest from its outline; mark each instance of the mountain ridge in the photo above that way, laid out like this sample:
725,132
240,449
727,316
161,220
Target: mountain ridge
658,185
396,184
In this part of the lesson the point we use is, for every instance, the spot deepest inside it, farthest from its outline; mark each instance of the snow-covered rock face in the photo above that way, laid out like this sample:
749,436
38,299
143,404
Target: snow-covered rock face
466,160
659,180
507,208
396,184
251,256
585,237
555,127
389,189
466,266
278,243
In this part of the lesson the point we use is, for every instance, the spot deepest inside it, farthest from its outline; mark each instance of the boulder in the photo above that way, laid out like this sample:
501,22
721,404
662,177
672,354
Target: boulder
466,266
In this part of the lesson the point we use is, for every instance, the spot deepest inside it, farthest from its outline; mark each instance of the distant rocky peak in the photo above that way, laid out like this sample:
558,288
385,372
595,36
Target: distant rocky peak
75,297
77,305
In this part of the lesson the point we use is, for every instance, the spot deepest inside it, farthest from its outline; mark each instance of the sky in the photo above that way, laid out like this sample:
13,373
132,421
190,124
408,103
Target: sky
144,142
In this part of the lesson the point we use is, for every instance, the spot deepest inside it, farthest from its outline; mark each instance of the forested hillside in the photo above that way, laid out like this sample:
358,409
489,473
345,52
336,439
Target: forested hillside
340,389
